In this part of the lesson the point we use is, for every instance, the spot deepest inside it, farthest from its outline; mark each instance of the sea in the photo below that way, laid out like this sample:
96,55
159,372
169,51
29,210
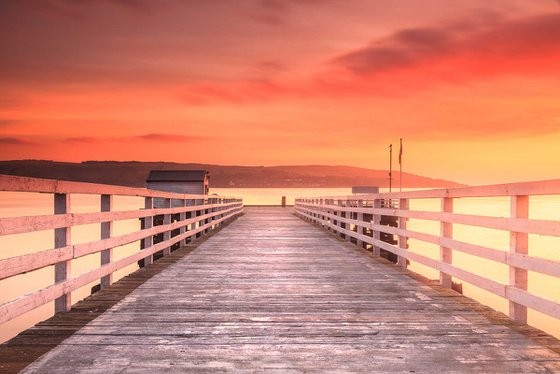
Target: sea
14,204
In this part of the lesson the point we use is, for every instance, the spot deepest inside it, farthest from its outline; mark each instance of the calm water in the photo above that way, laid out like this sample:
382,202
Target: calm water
22,204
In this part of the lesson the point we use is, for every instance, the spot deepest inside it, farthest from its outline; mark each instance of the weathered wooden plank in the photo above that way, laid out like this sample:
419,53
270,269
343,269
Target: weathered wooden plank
270,293
524,298
26,347
32,261
537,264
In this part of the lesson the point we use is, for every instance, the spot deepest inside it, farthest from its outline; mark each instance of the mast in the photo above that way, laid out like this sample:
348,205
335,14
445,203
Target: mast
390,166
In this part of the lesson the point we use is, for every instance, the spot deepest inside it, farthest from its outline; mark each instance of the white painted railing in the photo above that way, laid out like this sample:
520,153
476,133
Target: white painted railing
345,215
197,215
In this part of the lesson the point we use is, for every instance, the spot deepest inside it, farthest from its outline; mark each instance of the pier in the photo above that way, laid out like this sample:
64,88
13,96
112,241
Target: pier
278,289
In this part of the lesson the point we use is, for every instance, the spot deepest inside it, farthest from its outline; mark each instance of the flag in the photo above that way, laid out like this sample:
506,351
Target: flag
400,154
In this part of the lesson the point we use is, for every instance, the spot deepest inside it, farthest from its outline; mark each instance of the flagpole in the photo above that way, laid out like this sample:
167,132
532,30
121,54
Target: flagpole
400,167
390,166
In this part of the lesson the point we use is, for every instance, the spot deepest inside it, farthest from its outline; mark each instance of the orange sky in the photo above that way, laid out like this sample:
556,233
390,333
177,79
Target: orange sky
473,87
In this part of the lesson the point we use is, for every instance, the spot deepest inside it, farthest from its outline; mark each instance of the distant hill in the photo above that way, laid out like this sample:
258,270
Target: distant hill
133,173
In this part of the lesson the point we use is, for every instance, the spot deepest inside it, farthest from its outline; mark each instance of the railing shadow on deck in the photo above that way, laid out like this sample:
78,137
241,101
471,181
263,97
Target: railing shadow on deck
182,218
359,218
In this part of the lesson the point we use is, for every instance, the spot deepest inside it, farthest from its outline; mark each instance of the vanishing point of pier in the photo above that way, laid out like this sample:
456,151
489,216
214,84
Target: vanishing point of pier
270,292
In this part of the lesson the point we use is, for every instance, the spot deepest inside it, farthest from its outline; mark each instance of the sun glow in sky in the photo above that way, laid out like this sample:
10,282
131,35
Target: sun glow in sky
473,87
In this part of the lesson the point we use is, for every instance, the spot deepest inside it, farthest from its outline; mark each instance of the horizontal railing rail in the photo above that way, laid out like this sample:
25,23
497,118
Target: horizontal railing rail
361,217
185,217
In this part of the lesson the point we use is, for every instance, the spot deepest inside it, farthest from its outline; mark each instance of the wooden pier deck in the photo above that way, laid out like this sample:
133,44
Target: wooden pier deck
271,293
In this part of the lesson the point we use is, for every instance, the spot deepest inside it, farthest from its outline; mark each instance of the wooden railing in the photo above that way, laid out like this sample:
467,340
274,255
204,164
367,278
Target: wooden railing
345,215
184,218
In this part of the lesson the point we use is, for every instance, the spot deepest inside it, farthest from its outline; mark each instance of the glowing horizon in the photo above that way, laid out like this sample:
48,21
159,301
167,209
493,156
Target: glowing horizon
471,87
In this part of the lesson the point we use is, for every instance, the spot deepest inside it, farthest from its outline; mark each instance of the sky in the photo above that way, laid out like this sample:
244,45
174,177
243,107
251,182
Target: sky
472,87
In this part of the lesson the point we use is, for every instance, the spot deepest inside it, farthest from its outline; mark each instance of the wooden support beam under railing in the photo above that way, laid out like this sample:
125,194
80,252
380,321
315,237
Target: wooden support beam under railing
519,244
106,233
62,270
166,221
403,239
446,231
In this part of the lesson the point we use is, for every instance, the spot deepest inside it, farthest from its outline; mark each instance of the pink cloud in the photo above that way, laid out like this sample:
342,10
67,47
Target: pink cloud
410,60
509,41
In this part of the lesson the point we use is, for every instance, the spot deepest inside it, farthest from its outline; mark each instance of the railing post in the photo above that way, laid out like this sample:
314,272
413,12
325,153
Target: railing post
403,240
335,213
315,212
182,217
167,221
106,232
327,210
210,211
347,214
332,212
148,224
342,215
194,214
214,210
62,270
519,243
446,231
377,221
206,211
219,209
360,218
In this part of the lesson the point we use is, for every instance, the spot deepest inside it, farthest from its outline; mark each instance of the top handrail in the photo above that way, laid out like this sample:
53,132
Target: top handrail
534,188
11,183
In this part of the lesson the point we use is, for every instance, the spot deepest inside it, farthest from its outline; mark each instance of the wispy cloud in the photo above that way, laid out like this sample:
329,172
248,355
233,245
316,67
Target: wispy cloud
19,141
168,138
277,12
93,140
153,137
78,9
405,48
508,41
239,92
